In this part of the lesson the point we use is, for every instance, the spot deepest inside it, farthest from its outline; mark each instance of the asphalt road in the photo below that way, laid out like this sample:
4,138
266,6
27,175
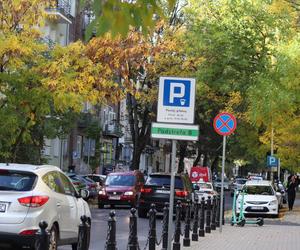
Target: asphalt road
99,226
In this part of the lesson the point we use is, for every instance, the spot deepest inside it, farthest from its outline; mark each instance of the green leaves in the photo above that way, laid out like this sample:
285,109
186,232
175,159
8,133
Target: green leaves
118,17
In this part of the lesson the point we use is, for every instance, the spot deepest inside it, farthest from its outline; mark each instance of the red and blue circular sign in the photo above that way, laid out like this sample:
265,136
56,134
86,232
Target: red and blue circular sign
224,123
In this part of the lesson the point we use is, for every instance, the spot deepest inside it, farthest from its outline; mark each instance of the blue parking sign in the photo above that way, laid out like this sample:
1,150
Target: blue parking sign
272,161
177,93
176,100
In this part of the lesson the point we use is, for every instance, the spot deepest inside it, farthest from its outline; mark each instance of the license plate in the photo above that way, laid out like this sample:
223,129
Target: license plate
2,207
114,197
257,208
163,191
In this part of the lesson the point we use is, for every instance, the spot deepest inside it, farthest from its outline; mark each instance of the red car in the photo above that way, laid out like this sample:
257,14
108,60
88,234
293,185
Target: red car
121,188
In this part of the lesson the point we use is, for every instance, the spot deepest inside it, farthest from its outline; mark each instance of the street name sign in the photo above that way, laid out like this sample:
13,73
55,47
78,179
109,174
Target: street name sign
176,100
174,131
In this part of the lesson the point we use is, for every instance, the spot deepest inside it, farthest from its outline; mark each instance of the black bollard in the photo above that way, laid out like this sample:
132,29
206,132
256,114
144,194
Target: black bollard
42,237
196,219
186,239
111,243
176,243
213,219
133,239
218,212
152,226
83,234
202,218
165,227
208,215
223,217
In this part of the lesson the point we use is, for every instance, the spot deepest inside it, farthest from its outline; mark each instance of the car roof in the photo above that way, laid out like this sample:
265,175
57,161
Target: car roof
258,183
124,173
28,167
166,174
202,182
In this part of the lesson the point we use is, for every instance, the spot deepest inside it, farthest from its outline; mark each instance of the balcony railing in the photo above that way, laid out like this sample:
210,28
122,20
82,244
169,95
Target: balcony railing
113,130
61,8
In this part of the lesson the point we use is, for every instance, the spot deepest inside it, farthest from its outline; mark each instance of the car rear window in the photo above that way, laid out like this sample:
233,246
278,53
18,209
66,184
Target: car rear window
240,181
11,180
203,185
164,180
260,190
120,180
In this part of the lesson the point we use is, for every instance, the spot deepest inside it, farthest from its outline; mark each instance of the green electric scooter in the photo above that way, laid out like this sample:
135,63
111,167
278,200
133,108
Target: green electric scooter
241,220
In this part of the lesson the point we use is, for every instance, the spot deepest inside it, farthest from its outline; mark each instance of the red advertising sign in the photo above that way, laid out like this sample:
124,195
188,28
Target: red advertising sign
199,173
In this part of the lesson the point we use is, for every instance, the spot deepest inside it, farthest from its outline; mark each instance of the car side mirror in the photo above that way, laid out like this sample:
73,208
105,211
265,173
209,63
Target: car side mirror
278,194
84,193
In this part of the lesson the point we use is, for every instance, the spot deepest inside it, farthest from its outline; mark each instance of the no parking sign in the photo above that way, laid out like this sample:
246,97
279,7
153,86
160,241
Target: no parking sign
224,124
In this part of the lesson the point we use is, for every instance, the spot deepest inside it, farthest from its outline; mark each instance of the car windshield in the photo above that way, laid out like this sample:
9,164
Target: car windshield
163,180
203,185
120,180
260,190
240,181
16,180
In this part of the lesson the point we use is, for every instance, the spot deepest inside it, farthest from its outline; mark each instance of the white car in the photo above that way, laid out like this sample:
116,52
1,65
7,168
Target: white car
205,189
260,198
218,184
237,185
30,194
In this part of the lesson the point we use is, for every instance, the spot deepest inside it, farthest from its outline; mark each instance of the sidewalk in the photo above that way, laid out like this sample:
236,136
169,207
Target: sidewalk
280,234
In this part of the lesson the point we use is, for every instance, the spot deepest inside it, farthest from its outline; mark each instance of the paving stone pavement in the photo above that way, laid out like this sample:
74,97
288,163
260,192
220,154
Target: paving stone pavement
282,235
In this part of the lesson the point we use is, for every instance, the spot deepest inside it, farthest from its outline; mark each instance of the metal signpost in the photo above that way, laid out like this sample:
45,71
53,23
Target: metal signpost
176,105
224,124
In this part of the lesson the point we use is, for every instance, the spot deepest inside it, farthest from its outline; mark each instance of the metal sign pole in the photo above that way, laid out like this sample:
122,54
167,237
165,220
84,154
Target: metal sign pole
278,170
172,190
222,183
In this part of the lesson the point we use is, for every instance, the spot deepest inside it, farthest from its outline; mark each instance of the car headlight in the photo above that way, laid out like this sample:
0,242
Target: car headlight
102,192
274,202
128,193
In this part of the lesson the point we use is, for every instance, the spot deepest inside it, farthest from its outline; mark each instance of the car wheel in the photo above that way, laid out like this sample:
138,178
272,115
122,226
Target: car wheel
53,238
142,213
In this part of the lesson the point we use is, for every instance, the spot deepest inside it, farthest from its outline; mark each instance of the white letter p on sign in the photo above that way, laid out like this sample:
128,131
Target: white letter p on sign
174,95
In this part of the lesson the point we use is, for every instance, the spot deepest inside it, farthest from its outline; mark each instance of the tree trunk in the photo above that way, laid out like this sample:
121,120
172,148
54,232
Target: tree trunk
214,165
199,153
182,153
140,135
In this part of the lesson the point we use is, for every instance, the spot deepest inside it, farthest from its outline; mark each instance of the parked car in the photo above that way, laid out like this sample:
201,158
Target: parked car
204,189
260,198
121,188
283,191
78,184
31,194
238,185
98,178
218,183
90,185
157,190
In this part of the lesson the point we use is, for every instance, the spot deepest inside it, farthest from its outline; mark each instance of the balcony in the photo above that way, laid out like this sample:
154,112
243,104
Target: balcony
112,130
60,11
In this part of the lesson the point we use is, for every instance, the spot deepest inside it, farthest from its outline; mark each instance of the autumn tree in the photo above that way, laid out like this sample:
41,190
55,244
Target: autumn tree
237,41
39,84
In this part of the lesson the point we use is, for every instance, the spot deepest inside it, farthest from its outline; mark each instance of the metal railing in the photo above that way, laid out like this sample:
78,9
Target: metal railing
62,6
